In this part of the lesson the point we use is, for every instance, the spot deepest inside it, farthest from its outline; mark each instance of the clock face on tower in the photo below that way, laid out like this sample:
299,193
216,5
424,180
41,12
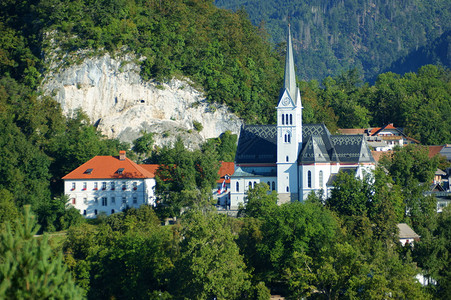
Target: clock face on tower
285,101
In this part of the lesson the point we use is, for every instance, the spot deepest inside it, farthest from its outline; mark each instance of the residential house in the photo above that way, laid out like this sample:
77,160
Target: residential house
382,138
222,193
109,184
407,235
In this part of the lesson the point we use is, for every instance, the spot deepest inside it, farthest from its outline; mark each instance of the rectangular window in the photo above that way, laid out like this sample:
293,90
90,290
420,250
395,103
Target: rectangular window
135,185
104,185
124,200
135,200
113,185
73,186
85,200
113,200
84,186
124,186
73,201
104,201
96,186
96,200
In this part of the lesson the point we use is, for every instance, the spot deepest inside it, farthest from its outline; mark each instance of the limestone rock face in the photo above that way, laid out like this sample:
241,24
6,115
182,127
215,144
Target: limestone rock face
111,92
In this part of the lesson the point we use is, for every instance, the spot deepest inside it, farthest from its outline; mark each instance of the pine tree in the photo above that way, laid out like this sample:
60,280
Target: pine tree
28,268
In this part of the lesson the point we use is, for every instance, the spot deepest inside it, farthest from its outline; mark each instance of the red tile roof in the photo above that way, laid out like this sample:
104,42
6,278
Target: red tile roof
351,131
227,168
434,150
376,130
151,168
377,155
104,167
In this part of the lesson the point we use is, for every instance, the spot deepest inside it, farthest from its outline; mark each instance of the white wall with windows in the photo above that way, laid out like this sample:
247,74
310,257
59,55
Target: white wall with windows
108,196
240,185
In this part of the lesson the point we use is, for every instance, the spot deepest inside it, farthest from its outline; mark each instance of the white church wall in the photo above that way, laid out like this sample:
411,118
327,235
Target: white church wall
239,187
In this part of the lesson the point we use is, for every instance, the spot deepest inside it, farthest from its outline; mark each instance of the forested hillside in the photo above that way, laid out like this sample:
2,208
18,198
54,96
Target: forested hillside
374,36
343,247
219,50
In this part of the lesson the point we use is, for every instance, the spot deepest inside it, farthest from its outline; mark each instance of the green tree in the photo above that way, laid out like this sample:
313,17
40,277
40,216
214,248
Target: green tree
185,178
8,209
433,254
128,255
350,195
143,145
412,169
210,265
28,270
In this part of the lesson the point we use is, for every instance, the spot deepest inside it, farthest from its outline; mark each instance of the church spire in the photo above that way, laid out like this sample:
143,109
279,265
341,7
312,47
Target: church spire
290,76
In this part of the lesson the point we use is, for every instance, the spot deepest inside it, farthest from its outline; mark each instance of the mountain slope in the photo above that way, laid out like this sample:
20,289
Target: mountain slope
370,35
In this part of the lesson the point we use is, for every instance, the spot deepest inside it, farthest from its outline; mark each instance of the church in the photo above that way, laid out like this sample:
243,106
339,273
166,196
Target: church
294,159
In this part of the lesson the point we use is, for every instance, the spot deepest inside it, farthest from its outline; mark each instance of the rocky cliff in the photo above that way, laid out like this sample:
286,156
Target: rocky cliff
111,92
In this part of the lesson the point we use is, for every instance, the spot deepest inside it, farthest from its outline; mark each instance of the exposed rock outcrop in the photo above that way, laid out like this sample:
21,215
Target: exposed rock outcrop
111,92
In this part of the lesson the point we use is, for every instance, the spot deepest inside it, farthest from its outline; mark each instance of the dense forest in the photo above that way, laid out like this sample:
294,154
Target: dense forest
341,247
373,36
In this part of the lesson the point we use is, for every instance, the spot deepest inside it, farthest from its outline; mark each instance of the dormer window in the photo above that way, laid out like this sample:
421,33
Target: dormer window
120,171
88,171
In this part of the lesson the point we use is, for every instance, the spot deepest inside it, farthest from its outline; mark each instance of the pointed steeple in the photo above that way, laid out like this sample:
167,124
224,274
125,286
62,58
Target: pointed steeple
290,76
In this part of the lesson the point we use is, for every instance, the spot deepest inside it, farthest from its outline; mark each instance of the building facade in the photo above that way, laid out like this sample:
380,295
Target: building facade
109,184
293,158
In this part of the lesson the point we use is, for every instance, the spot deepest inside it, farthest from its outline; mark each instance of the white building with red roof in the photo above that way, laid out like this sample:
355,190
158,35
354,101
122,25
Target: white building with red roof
109,184
223,184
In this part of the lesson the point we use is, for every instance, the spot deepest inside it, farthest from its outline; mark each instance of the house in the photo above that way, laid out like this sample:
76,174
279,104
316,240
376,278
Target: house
293,158
109,184
382,138
388,135
407,235
222,192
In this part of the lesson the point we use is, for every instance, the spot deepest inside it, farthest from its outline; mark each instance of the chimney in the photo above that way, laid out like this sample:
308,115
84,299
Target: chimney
122,155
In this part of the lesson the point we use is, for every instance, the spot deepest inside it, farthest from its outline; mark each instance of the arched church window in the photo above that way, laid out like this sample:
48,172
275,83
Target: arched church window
273,185
309,179
250,184
269,185
289,138
237,186
288,189
320,178
283,119
287,158
286,118
291,119
286,138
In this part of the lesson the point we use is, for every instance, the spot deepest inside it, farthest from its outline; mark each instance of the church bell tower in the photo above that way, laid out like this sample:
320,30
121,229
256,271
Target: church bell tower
289,131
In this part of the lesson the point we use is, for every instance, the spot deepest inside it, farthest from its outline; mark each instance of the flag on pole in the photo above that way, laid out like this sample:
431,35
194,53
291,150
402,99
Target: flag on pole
220,191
